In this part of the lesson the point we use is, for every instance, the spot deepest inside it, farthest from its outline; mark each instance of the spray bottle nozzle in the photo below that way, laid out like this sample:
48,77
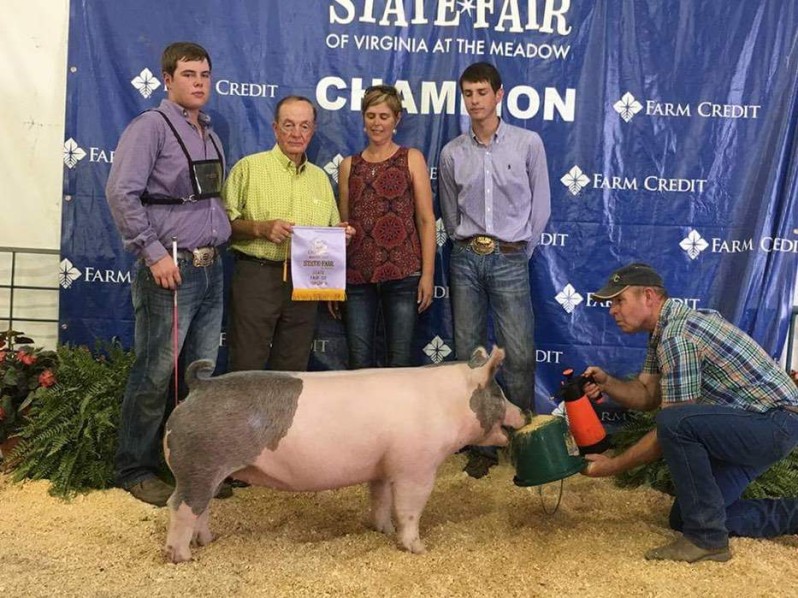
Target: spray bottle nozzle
572,389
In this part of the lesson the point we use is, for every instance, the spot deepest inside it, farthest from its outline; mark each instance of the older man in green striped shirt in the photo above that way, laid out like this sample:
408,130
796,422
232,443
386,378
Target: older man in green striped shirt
729,413
265,195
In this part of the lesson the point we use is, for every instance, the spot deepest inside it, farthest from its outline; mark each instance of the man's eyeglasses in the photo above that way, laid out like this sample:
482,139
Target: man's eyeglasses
301,128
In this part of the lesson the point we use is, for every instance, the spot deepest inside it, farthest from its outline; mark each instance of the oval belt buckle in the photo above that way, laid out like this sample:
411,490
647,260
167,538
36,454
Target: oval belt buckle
203,257
483,245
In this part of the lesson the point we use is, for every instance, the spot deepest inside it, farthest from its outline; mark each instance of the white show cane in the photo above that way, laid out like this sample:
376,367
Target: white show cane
174,320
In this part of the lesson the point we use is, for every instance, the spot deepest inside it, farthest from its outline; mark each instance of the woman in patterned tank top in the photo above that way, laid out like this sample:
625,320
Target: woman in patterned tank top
385,194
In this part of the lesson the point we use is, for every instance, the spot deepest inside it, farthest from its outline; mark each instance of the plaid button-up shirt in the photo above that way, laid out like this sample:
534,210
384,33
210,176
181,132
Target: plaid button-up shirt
701,357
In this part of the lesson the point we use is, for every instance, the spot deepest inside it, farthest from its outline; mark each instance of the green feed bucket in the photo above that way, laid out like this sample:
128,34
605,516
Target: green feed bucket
544,451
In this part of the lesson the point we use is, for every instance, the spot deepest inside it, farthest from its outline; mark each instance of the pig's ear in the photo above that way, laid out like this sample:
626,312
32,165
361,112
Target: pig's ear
478,358
495,360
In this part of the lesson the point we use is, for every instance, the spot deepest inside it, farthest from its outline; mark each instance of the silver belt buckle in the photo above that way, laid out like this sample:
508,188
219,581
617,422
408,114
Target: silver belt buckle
482,245
203,256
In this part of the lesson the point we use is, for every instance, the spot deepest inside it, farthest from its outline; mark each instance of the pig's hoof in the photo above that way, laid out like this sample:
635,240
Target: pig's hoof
202,537
177,555
415,546
384,527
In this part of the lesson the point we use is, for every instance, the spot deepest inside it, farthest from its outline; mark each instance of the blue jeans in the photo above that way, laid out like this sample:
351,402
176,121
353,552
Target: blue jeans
499,282
396,299
713,453
200,305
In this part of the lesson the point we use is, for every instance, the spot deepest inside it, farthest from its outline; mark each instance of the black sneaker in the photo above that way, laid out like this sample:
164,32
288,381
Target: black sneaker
478,465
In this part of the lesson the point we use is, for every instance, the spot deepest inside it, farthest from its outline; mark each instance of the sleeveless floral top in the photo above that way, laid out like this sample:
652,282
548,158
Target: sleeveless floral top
386,245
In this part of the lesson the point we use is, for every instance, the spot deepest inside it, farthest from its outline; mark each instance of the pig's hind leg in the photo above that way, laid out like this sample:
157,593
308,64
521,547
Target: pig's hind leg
381,506
181,530
410,495
189,512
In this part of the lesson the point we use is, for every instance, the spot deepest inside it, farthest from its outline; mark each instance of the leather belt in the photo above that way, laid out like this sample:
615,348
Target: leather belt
251,258
201,257
484,245
791,408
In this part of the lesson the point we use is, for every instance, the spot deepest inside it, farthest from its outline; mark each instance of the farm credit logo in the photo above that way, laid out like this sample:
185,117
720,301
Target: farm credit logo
73,154
437,350
69,273
628,106
694,244
145,82
569,298
576,180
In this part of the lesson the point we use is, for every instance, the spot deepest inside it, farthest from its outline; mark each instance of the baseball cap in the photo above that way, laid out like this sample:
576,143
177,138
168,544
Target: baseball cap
633,275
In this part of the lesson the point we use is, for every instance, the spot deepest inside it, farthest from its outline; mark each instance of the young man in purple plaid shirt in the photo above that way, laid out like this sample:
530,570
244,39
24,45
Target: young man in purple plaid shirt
729,413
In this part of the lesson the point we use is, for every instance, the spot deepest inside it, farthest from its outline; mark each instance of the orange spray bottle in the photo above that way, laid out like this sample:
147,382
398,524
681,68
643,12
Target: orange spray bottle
586,428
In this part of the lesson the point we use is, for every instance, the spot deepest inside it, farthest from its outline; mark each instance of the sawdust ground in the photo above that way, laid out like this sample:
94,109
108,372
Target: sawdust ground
484,538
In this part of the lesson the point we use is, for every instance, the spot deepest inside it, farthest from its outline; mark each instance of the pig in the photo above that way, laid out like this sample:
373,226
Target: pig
314,431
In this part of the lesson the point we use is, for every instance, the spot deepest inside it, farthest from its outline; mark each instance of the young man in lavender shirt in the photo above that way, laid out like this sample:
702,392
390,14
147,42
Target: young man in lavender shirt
164,185
494,196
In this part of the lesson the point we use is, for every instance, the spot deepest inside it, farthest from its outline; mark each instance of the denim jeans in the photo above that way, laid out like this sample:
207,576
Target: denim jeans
714,452
200,305
499,283
396,300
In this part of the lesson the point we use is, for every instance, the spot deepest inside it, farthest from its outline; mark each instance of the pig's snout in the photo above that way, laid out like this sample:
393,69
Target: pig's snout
513,417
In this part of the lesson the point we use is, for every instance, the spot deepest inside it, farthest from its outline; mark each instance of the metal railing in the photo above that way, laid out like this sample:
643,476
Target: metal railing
13,287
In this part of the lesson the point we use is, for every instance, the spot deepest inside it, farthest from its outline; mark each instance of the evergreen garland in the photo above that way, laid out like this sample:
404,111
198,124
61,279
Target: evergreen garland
70,434
778,481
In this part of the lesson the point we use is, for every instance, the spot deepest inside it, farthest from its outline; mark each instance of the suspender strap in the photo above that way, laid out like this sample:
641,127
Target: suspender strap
146,198
180,141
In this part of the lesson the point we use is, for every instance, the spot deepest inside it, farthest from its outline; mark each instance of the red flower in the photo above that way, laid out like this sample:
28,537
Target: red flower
27,358
2,414
3,356
2,343
47,378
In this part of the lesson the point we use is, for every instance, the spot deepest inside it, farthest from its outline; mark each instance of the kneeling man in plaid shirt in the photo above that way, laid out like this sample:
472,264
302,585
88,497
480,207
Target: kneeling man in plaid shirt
729,413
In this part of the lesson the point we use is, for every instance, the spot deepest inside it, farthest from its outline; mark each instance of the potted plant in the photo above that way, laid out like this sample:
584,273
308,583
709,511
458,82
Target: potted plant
24,371
70,434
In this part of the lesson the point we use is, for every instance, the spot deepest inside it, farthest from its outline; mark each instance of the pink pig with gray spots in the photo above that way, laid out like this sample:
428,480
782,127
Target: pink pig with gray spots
313,431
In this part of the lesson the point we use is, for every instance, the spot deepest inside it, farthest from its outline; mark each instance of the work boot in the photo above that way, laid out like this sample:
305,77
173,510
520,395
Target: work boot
236,483
478,465
225,490
152,491
684,550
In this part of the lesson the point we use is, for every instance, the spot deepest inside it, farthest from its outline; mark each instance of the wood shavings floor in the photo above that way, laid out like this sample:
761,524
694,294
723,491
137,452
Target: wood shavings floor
484,538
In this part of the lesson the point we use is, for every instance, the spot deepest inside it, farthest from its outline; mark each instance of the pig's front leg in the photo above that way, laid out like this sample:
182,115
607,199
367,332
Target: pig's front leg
381,503
410,495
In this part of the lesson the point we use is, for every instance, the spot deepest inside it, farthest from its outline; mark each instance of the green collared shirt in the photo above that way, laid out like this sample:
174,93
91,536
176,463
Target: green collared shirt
269,186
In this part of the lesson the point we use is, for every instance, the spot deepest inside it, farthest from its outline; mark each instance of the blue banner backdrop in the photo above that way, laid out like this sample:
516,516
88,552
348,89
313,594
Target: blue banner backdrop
670,128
